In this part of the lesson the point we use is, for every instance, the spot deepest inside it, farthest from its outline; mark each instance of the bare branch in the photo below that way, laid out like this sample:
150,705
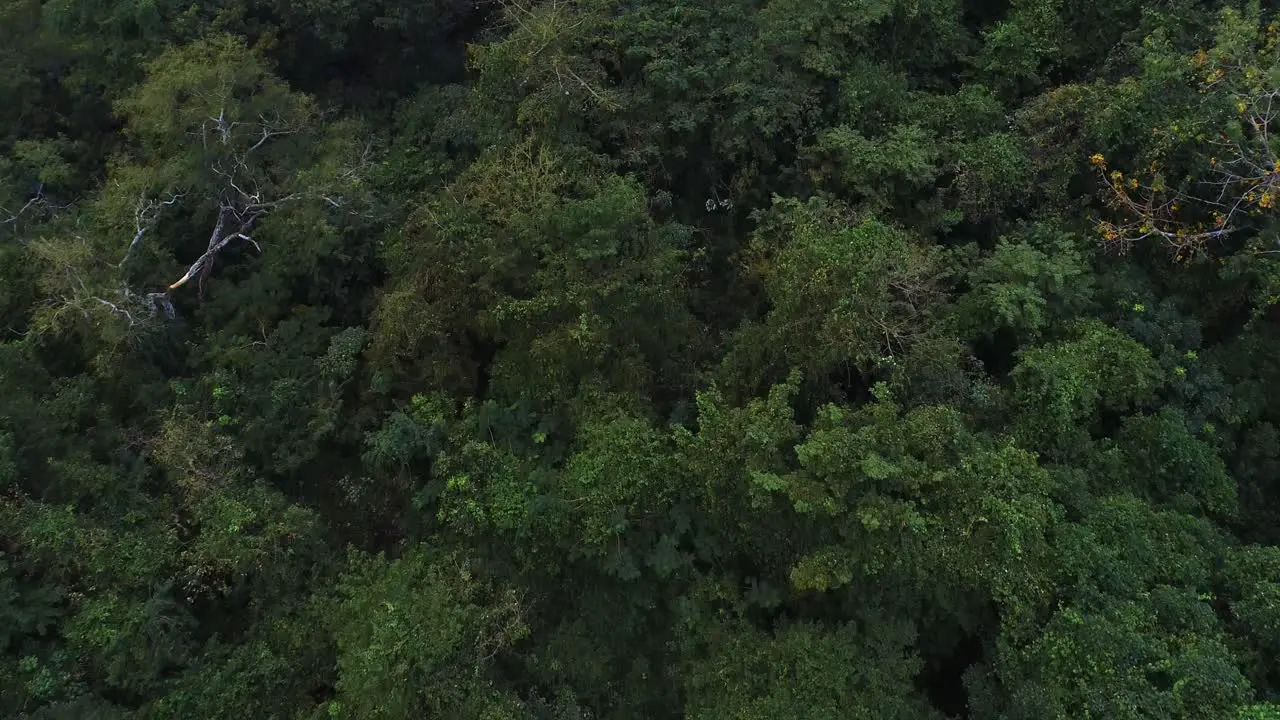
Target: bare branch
269,129
35,200
250,240
145,215
118,310
38,204
222,237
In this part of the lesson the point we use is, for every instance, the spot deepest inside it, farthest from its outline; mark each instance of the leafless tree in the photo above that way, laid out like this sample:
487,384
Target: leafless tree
243,200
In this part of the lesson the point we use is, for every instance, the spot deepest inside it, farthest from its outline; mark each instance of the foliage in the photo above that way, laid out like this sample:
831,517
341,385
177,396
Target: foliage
569,359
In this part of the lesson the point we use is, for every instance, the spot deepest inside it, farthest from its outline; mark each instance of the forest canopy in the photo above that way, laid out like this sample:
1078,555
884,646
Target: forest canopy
569,359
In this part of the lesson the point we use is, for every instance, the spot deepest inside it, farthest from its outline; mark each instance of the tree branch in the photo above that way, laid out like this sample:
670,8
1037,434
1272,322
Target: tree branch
145,215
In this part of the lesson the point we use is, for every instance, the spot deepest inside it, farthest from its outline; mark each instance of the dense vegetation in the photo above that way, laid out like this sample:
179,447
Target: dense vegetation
566,359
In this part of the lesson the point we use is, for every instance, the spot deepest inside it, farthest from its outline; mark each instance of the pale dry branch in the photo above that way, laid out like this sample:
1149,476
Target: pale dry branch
38,204
145,215
221,237
35,201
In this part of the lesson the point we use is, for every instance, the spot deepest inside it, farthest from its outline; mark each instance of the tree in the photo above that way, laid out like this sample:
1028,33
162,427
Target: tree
1062,388
548,259
845,293
571,359
1231,184
808,671
215,138
416,636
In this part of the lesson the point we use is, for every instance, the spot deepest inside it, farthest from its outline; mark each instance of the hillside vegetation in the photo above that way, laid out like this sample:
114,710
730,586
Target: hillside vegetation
639,359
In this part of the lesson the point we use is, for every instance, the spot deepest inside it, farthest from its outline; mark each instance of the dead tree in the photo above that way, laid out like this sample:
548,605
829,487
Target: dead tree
243,201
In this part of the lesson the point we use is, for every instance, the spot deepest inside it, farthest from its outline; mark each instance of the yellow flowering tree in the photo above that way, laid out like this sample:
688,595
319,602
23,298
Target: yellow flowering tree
1235,178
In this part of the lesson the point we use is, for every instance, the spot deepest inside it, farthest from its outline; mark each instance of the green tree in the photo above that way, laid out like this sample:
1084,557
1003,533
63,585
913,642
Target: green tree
845,292
418,635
